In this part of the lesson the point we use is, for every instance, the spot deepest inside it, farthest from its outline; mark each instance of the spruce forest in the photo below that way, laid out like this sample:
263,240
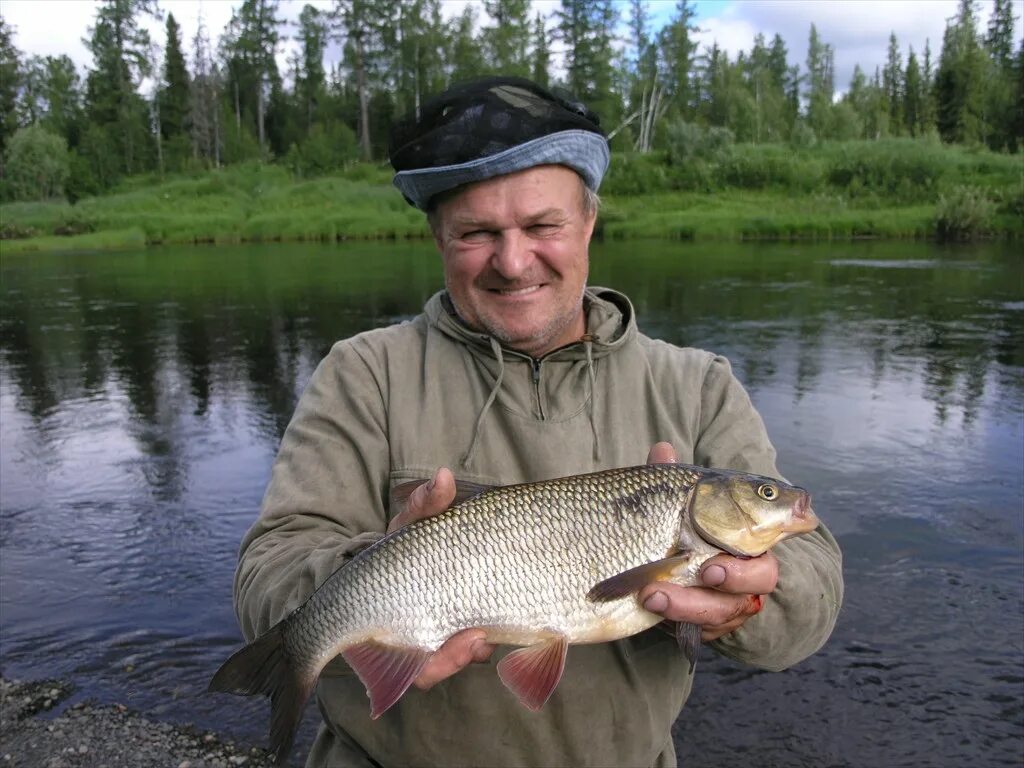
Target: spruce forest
942,126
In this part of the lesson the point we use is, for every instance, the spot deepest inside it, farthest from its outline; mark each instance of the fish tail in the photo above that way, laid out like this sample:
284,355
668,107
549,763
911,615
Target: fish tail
265,666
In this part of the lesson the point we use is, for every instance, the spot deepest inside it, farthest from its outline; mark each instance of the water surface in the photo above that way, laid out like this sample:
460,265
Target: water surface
143,394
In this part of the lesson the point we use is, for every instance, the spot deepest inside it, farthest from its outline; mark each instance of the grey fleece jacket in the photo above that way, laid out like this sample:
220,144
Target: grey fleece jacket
394,404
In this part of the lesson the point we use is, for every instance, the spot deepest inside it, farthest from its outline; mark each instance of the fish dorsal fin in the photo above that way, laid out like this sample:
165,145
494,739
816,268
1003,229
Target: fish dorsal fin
387,671
464,490
532,673
635,579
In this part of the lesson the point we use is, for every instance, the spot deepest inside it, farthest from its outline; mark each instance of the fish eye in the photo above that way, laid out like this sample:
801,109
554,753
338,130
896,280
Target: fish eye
767,492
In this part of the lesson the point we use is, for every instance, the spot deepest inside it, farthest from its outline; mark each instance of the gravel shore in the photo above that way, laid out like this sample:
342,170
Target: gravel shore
88,736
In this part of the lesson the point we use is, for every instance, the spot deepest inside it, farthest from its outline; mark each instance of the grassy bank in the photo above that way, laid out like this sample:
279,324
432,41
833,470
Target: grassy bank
890,189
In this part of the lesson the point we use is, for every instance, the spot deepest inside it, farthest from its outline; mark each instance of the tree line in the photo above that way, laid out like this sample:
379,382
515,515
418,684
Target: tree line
208,104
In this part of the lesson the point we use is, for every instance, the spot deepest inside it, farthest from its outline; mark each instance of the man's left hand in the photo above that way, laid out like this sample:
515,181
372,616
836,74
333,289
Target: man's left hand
733,591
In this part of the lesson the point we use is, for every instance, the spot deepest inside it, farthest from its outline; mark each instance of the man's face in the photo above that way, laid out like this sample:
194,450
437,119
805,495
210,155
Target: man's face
515,257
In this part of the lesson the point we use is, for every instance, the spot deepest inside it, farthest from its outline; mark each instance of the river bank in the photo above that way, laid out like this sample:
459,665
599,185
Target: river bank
85,735
839,191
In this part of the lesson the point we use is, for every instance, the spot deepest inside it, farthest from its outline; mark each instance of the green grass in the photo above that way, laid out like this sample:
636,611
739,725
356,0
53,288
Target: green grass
840,190
739,215
109,240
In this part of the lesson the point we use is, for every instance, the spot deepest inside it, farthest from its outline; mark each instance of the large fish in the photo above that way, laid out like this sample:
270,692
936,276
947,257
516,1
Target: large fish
541,565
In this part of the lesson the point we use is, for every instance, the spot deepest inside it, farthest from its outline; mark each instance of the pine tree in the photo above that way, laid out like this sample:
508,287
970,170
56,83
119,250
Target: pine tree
857,97
765,85
174,98
63,98
959,80
820,82
678,49
310,80
1000,96
927,89
10,66
361,24
586,27
507,38
120,48
465,57
540,55
204,106
892,83
999,40
251,46
419,62
30,105
913,97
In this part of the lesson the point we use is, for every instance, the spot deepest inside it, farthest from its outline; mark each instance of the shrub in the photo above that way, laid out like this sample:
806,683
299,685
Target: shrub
635,174
37,165
964,214
688,142
802,136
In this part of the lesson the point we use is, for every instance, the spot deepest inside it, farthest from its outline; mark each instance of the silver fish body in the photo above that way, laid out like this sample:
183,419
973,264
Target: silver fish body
541,565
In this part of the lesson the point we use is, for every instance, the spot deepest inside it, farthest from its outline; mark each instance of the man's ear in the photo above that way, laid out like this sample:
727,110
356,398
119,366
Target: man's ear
589,226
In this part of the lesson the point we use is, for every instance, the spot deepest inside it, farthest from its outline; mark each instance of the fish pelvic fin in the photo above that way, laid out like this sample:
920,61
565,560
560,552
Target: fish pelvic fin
264,666
635,579
532,673
688,638
387,671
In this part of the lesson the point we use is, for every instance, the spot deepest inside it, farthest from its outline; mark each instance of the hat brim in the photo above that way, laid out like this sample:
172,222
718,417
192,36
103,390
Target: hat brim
583,151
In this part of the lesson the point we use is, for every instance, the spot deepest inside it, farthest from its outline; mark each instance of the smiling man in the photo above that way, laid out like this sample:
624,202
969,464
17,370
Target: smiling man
516,372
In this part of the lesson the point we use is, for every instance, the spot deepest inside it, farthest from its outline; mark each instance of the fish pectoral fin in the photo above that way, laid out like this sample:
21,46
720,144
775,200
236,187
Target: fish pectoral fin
532,673
387,671
635,579
464,490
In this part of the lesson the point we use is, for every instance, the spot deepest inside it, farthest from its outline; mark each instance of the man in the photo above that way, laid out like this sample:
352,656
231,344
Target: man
518,372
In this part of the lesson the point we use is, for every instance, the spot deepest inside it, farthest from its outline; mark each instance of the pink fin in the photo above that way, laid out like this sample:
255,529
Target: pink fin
532,673
464,490
635,579
387,671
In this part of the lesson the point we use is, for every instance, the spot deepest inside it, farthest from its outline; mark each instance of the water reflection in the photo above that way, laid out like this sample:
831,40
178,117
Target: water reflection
142,397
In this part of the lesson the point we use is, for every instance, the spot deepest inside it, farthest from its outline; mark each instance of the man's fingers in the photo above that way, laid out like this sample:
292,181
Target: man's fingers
458,651
429,499
705,607
714,631
754,576
662,453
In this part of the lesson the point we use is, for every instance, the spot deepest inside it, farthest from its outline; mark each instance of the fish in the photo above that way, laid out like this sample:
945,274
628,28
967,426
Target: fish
540,565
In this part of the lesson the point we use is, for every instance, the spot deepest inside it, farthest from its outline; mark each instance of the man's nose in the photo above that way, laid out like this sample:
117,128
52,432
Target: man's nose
512,254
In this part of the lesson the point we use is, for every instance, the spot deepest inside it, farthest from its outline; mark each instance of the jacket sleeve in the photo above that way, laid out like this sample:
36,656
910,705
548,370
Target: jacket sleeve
327,491
799,615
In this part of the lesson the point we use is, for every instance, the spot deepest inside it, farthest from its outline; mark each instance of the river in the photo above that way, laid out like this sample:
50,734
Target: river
143,394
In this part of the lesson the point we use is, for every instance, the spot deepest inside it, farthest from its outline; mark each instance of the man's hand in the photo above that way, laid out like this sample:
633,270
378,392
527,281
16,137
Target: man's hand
733,590
462,648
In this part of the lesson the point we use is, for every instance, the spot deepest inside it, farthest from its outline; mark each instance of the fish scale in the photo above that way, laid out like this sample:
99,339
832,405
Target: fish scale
540,565
558,561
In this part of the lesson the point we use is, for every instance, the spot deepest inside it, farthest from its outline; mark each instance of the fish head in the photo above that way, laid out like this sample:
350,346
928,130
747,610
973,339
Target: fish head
746,514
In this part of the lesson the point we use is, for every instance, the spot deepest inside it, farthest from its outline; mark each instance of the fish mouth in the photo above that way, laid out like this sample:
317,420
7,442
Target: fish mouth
802,518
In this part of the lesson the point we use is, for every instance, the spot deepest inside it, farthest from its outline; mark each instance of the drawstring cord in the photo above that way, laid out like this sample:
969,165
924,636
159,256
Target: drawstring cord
588,346
496,349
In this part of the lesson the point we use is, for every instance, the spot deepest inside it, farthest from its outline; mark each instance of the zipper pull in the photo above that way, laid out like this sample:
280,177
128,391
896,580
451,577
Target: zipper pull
536,371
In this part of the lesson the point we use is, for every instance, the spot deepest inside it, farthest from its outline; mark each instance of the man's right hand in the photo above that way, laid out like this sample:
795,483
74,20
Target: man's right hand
465,647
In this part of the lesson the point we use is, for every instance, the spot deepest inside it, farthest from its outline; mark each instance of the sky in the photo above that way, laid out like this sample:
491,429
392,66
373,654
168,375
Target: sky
857,30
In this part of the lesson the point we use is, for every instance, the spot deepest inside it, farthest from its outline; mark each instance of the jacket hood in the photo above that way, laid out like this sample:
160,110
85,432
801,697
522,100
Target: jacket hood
611,323
571,389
